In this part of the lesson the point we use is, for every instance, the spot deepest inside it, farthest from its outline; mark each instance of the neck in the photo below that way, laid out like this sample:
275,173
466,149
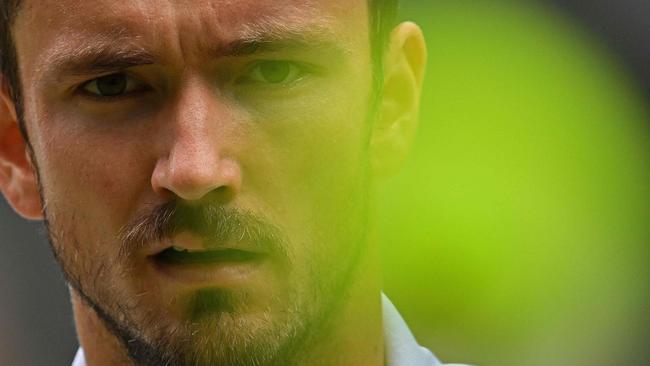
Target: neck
354,335
100,346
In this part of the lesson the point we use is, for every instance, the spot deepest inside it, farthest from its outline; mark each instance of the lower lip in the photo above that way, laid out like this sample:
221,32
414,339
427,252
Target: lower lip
218,274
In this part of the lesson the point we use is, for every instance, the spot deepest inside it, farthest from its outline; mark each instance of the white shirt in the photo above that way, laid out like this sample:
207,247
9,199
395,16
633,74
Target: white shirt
400,346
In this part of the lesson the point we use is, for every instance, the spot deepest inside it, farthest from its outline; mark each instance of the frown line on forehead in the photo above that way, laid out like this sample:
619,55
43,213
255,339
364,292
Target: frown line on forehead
101,52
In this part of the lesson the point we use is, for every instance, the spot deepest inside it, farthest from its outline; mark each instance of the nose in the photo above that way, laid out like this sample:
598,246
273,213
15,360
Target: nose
195,162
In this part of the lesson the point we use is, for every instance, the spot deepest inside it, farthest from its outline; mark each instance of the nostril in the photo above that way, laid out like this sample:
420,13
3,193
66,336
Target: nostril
165,194
192,178
222,194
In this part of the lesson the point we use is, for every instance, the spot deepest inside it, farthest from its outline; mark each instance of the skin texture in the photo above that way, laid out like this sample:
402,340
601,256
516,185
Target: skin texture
199,127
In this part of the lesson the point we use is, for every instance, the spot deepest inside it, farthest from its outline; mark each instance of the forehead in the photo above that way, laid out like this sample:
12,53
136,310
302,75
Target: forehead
50,26
222,14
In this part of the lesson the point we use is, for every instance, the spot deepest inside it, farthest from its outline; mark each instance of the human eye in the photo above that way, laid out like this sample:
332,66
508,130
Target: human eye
113,86
273,72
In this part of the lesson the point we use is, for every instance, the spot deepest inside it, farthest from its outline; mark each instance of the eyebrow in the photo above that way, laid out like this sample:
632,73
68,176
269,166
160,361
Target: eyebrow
247,47
272,35
98,57
107,54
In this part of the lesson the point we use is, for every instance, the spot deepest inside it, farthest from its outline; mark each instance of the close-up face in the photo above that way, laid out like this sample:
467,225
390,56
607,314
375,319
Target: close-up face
204,168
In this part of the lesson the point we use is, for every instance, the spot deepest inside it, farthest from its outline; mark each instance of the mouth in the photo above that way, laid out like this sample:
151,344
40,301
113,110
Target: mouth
219,267
182,256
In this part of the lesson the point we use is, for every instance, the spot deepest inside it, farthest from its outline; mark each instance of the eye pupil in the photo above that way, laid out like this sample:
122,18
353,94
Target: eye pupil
112,85
275,71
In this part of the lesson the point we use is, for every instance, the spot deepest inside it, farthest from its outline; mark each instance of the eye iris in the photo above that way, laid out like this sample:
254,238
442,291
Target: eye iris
275,71
112,85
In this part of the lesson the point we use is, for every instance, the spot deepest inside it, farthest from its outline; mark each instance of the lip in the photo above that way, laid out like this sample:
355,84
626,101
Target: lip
226,269
194,243
186,259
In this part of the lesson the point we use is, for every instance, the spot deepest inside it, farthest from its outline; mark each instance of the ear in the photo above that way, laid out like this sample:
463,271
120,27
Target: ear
399,101
17,174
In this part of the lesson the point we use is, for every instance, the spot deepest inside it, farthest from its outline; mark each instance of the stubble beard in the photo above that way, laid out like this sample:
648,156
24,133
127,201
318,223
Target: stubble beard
217,330
223,336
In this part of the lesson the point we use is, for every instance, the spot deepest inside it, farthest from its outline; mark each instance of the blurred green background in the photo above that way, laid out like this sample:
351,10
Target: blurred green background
518,232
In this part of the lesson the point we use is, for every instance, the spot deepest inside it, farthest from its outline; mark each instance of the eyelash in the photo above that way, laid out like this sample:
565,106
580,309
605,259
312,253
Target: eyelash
300,69
140,89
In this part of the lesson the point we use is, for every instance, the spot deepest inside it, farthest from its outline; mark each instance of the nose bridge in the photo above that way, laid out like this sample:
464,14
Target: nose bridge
195,164
193,122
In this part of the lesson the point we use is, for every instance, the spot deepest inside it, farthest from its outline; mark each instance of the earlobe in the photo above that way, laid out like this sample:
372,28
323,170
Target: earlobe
18,180
399,102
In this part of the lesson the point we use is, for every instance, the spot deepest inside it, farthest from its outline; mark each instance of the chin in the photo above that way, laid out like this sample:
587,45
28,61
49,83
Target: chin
217,327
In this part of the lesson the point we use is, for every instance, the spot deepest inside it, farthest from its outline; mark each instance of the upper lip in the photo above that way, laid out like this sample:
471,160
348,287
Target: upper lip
192,243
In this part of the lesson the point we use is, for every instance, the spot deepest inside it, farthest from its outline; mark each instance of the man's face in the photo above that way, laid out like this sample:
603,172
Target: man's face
235,129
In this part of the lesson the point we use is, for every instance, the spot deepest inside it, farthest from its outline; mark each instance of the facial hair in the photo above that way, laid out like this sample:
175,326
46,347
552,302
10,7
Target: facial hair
214,333
211,334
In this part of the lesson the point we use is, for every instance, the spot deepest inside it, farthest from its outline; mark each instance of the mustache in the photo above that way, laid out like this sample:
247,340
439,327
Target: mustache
216,224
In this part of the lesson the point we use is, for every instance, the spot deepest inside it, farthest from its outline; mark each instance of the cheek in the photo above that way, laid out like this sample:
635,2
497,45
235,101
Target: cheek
97,175
313,167
316,137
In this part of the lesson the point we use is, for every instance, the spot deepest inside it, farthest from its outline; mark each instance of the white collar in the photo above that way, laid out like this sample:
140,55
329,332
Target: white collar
400,346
